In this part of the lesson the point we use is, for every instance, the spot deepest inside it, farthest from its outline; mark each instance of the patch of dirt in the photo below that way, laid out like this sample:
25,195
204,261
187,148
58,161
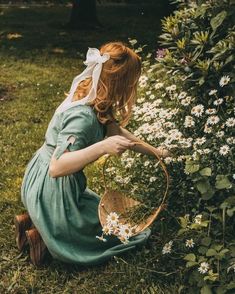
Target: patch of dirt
6,93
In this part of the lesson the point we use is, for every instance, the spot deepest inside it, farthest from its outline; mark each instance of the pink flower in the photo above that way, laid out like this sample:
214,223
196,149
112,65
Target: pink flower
161,53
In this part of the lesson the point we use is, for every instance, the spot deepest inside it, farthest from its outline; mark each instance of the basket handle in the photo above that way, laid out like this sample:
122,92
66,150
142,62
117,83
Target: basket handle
162,205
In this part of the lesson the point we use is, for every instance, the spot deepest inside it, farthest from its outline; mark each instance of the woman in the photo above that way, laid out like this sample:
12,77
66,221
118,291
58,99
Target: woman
62,211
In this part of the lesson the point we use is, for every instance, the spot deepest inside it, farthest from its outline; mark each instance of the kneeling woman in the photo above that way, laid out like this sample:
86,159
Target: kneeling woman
62,212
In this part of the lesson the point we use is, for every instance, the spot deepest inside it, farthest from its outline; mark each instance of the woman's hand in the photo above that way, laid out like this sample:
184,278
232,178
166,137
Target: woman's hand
116,145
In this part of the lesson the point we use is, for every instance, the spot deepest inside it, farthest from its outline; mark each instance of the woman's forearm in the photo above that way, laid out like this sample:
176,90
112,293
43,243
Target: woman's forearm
71,162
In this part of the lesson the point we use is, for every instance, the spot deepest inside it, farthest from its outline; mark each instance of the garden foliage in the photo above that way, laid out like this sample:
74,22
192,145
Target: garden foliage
186,103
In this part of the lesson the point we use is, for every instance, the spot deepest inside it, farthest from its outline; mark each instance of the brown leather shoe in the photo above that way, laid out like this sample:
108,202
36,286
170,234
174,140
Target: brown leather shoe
38,249
22,223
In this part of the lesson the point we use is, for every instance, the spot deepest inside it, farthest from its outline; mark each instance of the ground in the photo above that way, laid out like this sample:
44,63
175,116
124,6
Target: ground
38,59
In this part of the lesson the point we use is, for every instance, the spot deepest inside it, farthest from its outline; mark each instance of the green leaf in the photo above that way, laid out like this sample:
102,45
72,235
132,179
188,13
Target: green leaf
191,263
230,211
205,172
229,59
218,20
190,257
191,167
203,186
183,222
202,250
206,290
213,277
231,285
232,250
181,231
231,200
209,194
206,241
205,189
222,252
211,252
218,247
222,182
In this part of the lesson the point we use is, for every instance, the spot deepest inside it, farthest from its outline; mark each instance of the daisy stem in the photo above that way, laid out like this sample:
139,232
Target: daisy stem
209,226
223,220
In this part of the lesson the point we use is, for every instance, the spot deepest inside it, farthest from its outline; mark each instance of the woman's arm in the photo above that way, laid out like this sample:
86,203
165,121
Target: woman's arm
73,161
115,129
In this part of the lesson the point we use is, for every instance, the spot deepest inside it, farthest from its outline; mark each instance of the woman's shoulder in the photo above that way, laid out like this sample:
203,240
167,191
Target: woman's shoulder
79,114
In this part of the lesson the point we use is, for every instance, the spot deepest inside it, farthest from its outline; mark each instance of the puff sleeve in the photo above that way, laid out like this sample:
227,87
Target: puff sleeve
76,131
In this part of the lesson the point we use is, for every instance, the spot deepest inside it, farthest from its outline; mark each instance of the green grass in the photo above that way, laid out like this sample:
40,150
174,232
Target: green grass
33,78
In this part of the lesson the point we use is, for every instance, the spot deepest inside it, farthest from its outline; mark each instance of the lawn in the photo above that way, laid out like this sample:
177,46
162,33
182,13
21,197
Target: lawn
38,59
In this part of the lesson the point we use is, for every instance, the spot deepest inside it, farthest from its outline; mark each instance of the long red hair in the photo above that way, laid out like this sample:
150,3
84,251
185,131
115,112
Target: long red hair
117,86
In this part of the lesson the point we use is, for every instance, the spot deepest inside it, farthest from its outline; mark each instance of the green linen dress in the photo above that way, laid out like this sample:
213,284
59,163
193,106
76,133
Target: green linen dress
64,209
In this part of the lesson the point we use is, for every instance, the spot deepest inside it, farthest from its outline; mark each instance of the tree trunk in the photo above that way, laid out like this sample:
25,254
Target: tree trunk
83,14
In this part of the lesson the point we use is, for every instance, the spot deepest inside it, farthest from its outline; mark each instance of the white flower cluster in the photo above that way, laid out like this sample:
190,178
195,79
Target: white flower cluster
159,123
167,247
114,226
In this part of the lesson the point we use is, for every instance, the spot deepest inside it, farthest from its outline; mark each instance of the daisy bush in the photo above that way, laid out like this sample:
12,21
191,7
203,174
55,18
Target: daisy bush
186,104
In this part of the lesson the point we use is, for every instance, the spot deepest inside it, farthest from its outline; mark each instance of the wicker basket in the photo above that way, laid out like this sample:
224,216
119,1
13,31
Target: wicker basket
115,201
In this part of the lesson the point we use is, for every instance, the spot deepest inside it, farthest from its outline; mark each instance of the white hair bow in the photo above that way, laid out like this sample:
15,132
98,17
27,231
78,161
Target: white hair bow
94,61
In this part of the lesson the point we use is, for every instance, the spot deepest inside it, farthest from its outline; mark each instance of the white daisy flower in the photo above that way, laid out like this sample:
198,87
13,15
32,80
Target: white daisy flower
224,149
158,85
197,110
218,101
200,141
230,122
152,97
230,140
171,88
168,159
204,267
207,129
219,134
206,151
182,95
189,122
212,92
112,218
224,81
143,79
189,243
125,231
211,111
146,163
186,101
107,229
123,239
140,100
167,247
213,120
198,219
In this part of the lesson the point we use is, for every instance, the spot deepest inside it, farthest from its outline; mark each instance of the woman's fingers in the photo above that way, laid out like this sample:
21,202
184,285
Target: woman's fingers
124,141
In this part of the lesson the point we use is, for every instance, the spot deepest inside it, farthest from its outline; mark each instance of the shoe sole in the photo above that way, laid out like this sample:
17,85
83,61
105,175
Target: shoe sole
20,235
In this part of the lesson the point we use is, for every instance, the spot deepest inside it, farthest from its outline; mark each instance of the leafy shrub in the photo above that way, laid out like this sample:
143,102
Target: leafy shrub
186,104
